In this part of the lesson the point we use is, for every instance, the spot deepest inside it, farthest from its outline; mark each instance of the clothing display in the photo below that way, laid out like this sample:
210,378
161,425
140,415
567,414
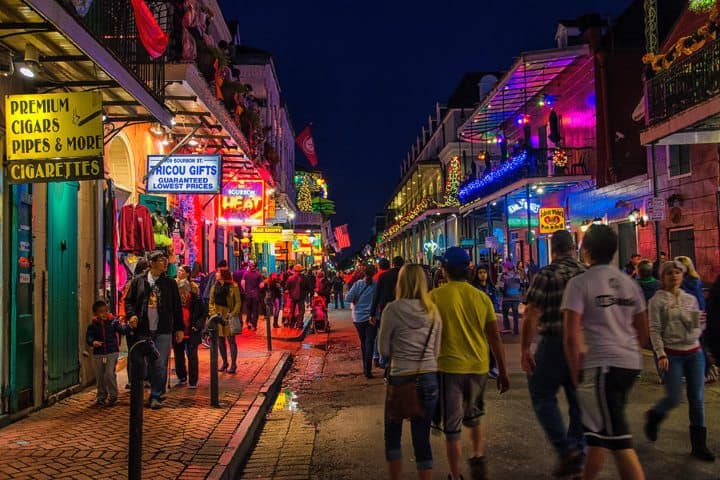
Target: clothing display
136,230
160,230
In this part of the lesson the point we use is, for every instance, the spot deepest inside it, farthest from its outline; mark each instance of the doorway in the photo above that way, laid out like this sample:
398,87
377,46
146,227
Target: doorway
682,243
627,242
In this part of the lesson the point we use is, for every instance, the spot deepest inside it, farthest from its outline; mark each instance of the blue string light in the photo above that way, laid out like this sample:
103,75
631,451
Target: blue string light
494,180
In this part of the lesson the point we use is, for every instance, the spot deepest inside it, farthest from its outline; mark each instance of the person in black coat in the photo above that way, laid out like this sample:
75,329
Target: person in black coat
194,315
384,294
712,331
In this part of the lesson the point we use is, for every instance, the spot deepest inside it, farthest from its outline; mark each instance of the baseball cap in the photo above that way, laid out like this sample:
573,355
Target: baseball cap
455,257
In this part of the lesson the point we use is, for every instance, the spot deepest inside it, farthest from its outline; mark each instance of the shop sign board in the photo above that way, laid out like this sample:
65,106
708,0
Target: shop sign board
551,219
656,209
183,173
241,203
287,235
269,234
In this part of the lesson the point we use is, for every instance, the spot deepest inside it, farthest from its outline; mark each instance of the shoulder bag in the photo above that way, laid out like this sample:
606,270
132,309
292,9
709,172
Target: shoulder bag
402,401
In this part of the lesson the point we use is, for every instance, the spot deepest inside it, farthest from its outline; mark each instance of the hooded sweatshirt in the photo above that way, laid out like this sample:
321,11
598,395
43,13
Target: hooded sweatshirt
403,332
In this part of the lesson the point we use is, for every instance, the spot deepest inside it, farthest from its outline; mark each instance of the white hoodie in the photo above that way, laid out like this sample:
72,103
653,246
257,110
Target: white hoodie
404,329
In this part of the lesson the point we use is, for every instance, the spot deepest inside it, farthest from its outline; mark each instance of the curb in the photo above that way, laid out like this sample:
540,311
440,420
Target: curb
243,439
298,338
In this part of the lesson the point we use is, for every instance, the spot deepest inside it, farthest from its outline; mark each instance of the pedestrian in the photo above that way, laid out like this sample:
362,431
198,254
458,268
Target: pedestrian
713,319
154,310
323,287
295,288
338,285
469,328
604,310
185,273
481,281
631,266
676,324
103,335
211,279
523,275
384,294
309,286
383,266
410,335
647,281
510,285
225,301
657,263
194,315
692,283
273,298
250,285
360,297
547,369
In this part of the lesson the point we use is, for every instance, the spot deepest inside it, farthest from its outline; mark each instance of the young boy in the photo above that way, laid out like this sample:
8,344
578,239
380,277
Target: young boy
102,335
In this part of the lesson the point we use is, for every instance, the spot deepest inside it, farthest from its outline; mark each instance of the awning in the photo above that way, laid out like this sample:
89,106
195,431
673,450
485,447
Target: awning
527,78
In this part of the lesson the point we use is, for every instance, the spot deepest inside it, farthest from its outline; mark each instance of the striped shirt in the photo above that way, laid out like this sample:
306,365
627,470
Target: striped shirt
546,292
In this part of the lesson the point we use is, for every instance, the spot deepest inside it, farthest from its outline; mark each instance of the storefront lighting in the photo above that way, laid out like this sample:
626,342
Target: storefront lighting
27,71
540,190
291,215
173,122
193,142
157,129
534,187
598,221
634,215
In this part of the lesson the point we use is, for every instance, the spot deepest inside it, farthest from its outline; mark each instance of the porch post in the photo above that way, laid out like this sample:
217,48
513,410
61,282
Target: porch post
655,194
507,229
529,227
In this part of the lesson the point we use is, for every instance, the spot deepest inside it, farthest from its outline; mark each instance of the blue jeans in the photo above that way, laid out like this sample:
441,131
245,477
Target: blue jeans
367,334
551,373
692,367
158,368
429,393
513,305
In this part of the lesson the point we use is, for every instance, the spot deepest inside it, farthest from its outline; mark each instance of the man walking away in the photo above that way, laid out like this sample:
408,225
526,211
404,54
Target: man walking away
384,294
547,370
469,327
607,308
296,292
250,284
647,281
511,286
337,290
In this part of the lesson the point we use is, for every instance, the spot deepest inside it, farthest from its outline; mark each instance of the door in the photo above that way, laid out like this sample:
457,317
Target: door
62,323
682,243
627,242
219,244
22,323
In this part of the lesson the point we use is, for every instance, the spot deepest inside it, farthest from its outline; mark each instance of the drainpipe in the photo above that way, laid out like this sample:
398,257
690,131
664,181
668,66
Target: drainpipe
100,242
529,227
655,194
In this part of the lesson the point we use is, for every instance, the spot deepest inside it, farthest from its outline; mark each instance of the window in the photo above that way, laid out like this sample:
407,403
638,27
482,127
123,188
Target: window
682,243
678,160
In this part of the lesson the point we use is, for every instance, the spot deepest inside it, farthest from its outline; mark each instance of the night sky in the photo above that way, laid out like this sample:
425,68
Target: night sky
367,74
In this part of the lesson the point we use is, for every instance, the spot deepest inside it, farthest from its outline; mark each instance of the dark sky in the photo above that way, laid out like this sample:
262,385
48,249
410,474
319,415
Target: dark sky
368,73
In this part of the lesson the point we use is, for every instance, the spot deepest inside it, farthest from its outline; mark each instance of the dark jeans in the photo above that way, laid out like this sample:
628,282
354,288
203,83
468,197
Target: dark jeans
272,309
297,314
223,351
513,305
252,305
429,393
692,367
367,334
188,347
551,373
337,296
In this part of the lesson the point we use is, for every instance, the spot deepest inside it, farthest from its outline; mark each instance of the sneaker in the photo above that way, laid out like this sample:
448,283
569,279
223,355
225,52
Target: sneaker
569,464
478,468
182,381
111,401
493,373
155,404
192,387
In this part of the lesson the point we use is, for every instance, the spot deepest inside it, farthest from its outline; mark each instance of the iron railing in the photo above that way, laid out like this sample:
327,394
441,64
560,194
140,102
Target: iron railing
686,83
112,23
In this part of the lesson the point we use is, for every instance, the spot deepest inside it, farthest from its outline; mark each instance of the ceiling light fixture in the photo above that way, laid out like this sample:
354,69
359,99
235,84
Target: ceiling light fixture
31,60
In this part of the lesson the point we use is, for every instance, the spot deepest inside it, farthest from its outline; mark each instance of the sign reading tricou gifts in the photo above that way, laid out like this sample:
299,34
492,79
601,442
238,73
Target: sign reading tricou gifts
54,137
551,219
183,174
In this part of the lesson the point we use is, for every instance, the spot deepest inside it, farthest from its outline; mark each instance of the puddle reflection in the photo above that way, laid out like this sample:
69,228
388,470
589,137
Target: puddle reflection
286,400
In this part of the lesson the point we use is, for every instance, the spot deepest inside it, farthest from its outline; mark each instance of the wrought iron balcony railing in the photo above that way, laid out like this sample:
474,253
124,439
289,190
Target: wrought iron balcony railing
686,83
112,23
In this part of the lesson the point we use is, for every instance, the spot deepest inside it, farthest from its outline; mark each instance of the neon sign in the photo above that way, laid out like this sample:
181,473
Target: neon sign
242,203
522,205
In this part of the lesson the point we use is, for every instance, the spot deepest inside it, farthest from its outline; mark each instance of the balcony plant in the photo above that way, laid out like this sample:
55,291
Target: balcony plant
206,58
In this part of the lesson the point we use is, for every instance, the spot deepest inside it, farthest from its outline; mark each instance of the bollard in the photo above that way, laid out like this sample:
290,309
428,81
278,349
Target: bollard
136,356
215,320
269,332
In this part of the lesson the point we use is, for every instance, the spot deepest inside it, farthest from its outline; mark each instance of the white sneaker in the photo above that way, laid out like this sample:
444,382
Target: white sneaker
192,387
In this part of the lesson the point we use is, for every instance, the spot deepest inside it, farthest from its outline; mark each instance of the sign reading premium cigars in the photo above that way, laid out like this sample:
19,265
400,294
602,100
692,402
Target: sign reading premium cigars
54,137
183,174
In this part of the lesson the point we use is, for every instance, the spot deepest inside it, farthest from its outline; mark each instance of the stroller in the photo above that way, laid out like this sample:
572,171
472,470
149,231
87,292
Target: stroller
319,312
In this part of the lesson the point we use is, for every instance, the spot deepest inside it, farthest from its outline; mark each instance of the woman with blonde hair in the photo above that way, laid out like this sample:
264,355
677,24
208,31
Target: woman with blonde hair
692,283
410,334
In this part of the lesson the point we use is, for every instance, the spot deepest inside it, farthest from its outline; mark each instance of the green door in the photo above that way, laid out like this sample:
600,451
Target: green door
62,330
22,323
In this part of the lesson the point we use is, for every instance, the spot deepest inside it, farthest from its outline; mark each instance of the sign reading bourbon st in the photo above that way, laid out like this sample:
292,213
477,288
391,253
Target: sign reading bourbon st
54,137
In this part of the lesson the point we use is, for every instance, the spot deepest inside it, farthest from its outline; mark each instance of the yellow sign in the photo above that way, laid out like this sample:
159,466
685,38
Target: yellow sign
266,234
54,125
551,219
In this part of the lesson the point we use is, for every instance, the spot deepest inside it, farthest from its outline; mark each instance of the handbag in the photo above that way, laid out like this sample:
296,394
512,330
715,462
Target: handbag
235,325
402,401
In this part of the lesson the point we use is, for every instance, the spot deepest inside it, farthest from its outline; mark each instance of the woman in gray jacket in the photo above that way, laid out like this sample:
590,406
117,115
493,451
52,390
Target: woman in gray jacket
676,324
410,334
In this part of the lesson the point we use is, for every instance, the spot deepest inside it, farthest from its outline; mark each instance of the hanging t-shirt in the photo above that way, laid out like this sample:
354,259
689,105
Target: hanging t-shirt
153,316
607,299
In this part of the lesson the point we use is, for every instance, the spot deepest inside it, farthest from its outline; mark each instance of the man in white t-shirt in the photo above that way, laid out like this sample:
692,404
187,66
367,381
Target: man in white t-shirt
605,308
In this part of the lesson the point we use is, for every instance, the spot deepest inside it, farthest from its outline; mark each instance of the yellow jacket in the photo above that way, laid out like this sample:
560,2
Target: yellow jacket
234,302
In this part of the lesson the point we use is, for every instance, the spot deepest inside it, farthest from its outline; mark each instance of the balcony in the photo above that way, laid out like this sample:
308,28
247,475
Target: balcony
549,165
685,84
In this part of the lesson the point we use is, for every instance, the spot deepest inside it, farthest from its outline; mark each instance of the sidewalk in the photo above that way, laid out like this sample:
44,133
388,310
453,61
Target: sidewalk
186,439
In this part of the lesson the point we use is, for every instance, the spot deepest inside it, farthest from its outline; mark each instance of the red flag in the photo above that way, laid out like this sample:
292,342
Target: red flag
151,35
342,236
307,145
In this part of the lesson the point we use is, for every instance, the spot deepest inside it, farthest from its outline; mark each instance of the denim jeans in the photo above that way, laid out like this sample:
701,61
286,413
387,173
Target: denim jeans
429,392
692,367
189,348
513,305
158,368
367,334
338,297
252,304
551,373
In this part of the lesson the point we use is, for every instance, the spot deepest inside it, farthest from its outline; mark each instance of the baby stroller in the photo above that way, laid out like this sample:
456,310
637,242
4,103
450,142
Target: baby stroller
319,312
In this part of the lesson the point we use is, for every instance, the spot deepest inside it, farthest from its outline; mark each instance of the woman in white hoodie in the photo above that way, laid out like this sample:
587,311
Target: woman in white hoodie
410,334
676,324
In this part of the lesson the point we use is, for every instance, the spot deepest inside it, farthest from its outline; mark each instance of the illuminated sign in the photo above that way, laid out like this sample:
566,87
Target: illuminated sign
551,219
183,174
266,234
241,203
522,205
301,243
54,125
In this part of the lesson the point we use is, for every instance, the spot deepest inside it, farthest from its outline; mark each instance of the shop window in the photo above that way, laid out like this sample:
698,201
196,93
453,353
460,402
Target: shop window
678,160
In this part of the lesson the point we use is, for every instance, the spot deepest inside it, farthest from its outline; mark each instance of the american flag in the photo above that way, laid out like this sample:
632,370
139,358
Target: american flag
342,236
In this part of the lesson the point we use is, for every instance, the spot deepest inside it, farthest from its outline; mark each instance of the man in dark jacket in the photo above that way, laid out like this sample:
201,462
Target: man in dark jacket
154,311
295,286
250,285
384,294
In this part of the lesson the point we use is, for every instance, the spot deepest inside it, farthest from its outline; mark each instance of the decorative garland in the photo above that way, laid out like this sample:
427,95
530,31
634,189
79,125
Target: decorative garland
688,45
559,158
304,196
701,6
424,204
453,183
492,181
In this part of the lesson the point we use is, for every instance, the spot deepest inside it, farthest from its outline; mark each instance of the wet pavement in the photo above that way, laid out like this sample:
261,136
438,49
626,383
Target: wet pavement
327,423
